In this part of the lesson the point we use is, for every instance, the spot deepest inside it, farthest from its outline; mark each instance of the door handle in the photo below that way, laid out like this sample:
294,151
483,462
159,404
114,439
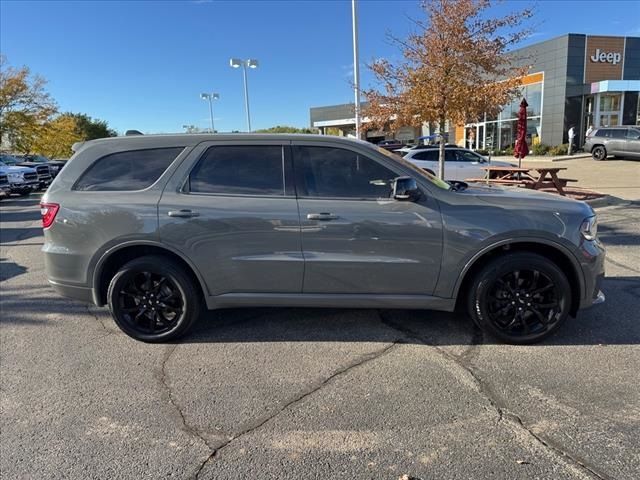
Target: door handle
321,216
183,213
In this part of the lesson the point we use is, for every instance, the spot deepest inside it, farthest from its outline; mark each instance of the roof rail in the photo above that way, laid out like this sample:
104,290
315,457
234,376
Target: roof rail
129,133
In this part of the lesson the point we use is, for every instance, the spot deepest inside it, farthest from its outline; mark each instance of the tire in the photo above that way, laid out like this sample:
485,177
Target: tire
513,303
173,300
599,153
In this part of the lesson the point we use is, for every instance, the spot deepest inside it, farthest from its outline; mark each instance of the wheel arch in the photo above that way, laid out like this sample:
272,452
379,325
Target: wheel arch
553,251
111,261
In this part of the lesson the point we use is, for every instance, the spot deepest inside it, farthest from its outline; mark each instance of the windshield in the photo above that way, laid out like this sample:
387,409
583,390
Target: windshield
8,160
424,174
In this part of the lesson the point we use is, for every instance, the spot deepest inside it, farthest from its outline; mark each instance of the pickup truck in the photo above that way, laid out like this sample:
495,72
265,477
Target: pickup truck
22,180
5,188
42,166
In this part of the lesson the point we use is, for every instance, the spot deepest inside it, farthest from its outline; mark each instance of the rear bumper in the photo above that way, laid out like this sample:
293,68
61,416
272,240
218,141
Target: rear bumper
84,294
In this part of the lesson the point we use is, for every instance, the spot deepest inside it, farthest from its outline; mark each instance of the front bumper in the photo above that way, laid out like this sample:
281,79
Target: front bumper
592,263
21,187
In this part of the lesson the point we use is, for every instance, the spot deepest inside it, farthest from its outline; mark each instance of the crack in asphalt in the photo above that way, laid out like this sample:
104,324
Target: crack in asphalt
99,320
194,432
309,391
496,402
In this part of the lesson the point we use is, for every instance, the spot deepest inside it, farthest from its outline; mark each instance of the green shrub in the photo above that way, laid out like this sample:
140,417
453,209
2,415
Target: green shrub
559,150
508,151
540,149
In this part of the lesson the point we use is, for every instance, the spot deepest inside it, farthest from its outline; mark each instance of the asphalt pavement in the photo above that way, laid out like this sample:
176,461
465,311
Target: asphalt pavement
314,393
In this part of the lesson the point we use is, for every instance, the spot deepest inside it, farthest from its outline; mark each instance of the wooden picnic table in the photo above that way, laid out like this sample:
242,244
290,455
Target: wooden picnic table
546,177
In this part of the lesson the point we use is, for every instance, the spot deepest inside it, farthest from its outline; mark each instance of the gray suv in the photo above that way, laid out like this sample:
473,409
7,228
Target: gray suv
160,227
617,141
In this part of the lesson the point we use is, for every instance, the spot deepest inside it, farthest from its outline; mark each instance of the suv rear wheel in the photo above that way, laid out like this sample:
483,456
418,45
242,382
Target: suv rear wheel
599,153
520,298
153,299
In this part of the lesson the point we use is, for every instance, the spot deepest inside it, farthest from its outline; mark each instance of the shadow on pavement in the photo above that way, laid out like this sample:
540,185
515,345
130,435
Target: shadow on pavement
9,269
613,323
10,235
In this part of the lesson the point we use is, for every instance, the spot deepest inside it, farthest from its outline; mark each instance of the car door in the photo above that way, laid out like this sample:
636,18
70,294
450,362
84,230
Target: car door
632,147
357,239
616,143
232,211
468,165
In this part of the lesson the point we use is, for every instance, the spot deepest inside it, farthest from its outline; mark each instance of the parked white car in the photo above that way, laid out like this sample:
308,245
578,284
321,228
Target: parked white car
460,163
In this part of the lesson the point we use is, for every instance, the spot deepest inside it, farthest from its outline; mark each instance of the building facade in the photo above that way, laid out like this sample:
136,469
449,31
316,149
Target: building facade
574,80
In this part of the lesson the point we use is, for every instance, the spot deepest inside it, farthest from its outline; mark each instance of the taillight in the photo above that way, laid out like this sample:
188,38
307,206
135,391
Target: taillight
48,212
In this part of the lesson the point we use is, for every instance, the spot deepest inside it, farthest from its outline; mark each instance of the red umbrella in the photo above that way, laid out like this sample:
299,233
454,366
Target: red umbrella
522,149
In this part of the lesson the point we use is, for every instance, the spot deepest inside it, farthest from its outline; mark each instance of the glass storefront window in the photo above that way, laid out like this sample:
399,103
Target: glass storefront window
610,102
533,95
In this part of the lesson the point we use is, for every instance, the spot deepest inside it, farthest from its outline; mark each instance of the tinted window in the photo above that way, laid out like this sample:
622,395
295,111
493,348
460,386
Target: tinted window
600,133
336,172
240,170
428,155
616,133
633,134
466,156
132,170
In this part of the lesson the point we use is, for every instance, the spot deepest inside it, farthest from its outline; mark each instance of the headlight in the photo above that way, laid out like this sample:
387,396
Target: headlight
589,228
15,176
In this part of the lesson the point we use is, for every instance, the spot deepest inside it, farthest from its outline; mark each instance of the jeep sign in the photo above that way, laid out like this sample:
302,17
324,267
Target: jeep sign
608,57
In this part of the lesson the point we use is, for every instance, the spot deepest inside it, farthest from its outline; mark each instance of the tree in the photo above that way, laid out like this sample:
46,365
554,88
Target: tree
286,129
456,68
24,105
56,137
89,128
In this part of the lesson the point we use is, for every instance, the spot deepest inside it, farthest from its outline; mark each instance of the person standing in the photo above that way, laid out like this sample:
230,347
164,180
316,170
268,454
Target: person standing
589,131
572,135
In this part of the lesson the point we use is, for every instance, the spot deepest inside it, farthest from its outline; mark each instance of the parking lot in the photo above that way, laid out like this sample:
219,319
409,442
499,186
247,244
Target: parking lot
311,393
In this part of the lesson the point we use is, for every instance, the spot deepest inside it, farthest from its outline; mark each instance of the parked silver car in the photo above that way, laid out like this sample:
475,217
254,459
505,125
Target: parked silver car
158,227
617,141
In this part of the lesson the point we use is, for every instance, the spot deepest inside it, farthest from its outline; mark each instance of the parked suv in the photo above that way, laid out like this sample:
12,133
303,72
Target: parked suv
617,141
161,226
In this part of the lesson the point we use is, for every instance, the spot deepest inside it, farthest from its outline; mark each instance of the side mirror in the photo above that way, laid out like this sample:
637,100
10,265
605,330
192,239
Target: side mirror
405,189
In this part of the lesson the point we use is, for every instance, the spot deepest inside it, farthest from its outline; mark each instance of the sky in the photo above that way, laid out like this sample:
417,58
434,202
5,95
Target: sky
143,64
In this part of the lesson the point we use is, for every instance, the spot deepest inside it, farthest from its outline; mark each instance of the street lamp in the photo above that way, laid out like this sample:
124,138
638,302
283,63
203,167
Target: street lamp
251,63
211,97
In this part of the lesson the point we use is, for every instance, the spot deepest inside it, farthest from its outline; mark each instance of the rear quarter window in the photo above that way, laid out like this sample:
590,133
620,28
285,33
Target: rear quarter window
127,171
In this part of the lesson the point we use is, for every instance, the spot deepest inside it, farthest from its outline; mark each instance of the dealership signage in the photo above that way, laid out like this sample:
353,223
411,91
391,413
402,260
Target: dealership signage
606,57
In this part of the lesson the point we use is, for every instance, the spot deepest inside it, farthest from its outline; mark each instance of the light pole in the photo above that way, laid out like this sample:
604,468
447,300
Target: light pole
356,65
251,63
211,97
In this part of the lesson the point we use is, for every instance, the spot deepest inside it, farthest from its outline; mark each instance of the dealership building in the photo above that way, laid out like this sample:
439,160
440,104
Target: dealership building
574,80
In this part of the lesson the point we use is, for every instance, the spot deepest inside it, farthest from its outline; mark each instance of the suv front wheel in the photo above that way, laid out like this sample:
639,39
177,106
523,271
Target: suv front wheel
153,299
520,298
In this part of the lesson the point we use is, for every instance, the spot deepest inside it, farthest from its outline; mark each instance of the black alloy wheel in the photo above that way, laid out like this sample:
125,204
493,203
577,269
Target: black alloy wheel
599,153
521,298
152,299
